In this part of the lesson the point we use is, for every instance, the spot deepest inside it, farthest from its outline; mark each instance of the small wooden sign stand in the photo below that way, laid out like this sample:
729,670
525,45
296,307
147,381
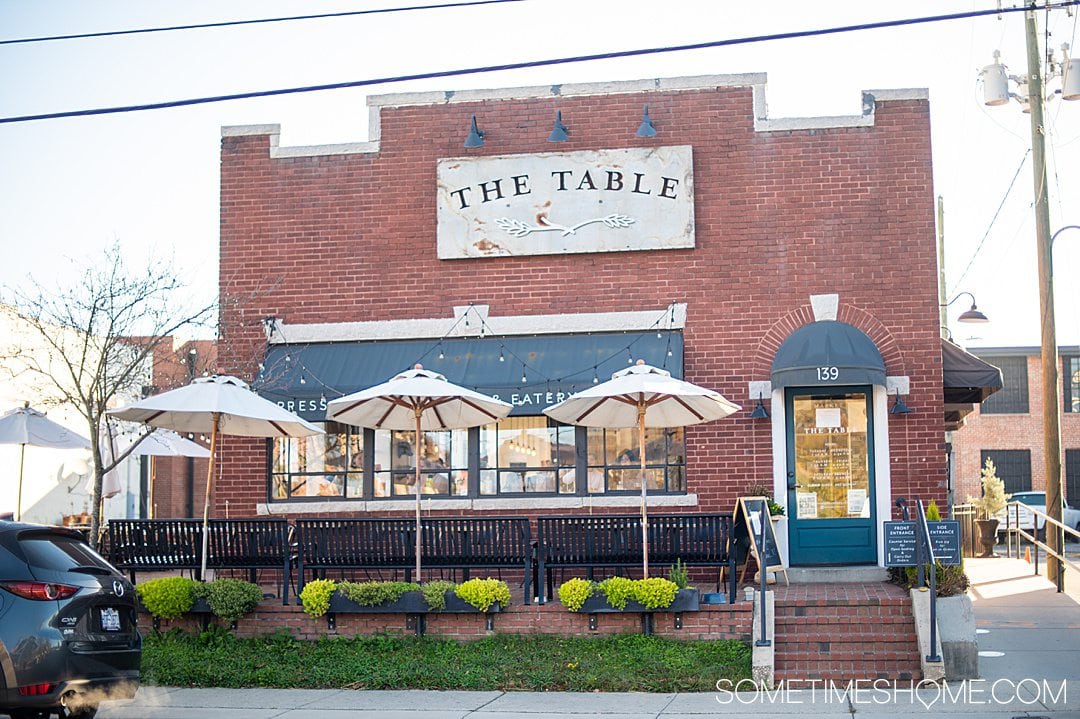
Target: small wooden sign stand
749,509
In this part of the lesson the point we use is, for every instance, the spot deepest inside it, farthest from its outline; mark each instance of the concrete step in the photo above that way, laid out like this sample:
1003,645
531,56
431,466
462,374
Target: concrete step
836,575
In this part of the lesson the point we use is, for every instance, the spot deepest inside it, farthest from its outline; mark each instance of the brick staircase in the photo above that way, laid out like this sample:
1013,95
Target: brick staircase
841,632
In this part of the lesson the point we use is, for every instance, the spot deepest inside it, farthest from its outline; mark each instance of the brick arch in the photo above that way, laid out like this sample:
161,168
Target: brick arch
860,319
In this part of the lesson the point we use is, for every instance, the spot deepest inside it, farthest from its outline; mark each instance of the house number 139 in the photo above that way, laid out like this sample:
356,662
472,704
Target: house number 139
828,373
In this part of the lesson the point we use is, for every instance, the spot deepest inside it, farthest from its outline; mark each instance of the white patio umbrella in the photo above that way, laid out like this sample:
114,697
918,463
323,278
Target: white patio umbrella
642,396
25,425
216,405
417,399
159,443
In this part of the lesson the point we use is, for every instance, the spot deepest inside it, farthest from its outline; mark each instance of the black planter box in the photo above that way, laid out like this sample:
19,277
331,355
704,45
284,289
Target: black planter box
687,600
408,603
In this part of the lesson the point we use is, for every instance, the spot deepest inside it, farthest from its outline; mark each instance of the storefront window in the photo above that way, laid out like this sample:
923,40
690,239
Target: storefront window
531,455
443,463
527,455
615,460
832,461
326,465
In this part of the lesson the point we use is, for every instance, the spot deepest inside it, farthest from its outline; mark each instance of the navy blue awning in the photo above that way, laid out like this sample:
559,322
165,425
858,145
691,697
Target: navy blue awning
827,353
303,378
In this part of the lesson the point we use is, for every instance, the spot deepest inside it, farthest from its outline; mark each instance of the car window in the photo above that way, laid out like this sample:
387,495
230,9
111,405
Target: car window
1032,499
61,553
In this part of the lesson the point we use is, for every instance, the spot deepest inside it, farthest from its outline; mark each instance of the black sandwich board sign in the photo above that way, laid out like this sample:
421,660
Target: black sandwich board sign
901,542
748,527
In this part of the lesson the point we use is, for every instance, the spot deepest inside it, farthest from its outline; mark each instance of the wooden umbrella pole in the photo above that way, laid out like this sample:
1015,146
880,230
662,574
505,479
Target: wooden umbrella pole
216,419
416,461
644,504
18,499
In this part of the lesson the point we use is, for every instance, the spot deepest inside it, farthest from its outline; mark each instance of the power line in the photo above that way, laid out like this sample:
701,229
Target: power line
993,219
230,23
523,65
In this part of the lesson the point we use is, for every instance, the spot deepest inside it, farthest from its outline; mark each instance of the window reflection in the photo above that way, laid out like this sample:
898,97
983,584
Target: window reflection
326,465
443,463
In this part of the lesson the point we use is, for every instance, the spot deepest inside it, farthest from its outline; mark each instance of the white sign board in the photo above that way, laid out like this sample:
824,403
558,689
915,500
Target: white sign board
566,202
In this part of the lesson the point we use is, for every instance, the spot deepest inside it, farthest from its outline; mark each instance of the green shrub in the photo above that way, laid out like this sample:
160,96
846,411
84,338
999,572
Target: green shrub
655,592
316,596
574,592
618,591
679,574
435,593
372,594
231,599
168,597
482,593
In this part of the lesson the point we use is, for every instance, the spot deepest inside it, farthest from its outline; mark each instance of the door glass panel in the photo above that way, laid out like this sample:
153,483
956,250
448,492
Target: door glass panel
832,467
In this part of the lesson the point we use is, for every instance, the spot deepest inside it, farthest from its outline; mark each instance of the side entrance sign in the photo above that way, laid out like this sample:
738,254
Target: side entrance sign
901,542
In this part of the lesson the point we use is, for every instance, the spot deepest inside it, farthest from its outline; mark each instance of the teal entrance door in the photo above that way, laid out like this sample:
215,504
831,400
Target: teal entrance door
830,471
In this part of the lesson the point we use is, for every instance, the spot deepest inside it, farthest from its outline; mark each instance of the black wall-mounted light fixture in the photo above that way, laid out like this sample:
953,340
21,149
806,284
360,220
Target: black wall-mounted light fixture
973,315
759,411
476,135
559,133
899,407
646,129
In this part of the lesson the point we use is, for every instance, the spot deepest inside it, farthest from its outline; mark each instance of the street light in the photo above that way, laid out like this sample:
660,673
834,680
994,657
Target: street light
995,88
972,316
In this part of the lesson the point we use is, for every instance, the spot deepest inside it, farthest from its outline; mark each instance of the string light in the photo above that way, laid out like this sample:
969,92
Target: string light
484,332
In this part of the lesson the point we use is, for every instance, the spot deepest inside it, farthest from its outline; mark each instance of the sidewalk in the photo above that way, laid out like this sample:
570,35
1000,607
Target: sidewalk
1035,630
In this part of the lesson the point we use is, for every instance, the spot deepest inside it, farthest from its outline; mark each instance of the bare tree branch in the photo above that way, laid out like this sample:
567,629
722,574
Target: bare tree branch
99,341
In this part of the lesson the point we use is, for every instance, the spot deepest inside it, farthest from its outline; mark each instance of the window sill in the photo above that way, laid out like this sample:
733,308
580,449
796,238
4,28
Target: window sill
479,504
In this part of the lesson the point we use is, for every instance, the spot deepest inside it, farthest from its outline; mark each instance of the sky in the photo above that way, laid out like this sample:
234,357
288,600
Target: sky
71,187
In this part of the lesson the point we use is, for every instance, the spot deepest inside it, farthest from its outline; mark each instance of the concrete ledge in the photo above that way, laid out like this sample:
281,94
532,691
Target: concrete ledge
956,632
763,667
920,607
837,575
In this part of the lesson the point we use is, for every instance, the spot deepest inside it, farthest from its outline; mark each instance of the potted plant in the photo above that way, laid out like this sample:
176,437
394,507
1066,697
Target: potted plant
620,594
776,510
987,506
323,596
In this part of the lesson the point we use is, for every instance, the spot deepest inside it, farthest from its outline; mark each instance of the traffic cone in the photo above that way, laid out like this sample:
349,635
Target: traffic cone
1027,554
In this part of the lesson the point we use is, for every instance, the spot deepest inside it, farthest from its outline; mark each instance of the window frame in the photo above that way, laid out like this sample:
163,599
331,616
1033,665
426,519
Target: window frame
353,470
1005,460
1070,382
1013,398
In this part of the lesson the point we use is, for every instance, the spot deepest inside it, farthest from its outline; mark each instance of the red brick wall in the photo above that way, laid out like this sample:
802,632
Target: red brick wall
1011,431
171,478
779,216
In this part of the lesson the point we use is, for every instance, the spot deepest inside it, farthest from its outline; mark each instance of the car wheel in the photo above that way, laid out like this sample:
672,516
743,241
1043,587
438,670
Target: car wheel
30,714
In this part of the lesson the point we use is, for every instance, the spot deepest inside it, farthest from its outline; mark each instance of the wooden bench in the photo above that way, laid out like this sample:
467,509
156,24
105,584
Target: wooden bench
155,545
586,542
447,543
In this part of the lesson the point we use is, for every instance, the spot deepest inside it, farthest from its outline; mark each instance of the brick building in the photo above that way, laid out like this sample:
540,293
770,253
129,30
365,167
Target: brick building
789,264
1008,429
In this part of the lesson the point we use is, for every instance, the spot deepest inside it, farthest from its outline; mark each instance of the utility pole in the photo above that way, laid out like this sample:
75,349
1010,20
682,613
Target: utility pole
1050,396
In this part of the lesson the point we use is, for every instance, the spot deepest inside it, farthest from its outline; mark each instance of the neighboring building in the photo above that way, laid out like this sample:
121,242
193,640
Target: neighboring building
1008,427
57,483
791,261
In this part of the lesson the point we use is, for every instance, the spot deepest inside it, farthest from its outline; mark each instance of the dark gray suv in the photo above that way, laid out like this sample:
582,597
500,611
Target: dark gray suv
68,634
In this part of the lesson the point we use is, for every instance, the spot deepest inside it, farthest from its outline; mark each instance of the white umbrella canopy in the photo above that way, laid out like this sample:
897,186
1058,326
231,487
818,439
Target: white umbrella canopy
417,399
159,443
216,405
642,396
25,425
